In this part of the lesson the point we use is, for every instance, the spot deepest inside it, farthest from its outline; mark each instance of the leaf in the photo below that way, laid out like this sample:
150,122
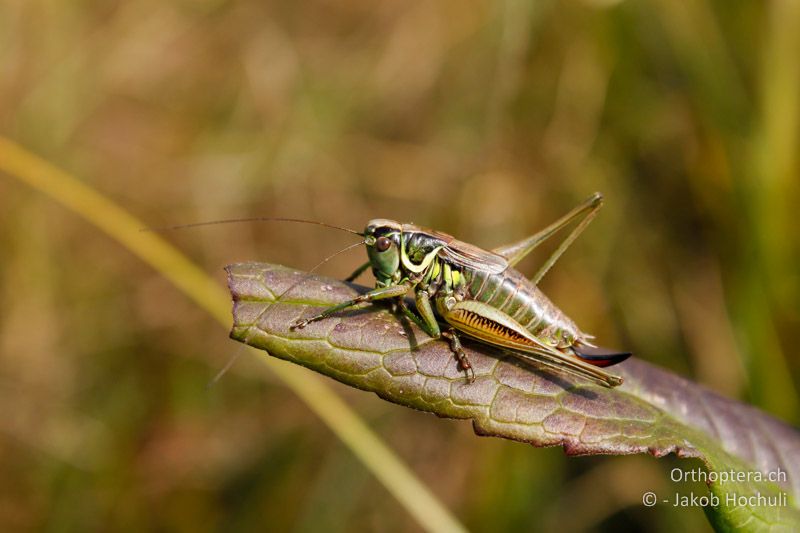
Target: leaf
654,411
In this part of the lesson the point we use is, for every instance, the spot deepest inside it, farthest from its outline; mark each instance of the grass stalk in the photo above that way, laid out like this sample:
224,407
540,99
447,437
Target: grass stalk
123,227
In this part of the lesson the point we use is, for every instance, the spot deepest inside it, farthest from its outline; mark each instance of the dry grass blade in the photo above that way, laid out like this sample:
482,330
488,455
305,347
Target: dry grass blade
125,228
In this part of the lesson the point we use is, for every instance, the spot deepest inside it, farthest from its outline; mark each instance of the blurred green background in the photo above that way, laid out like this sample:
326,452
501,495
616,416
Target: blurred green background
487,120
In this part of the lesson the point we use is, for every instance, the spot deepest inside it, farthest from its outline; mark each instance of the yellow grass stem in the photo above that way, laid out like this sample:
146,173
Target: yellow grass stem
418,500
773,191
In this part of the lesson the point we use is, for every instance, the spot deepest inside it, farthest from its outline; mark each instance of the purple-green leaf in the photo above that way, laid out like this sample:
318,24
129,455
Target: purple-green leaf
654,411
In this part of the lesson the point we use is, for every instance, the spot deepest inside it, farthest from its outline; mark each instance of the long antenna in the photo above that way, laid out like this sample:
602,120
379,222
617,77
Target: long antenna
252,219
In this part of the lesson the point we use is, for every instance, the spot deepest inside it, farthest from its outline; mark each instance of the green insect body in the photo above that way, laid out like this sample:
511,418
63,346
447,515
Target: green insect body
480,294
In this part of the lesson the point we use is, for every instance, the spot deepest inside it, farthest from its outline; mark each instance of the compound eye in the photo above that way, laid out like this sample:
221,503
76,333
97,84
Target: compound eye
382,244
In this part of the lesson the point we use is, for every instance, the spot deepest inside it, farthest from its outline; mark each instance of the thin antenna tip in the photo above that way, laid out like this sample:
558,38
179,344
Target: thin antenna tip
253,219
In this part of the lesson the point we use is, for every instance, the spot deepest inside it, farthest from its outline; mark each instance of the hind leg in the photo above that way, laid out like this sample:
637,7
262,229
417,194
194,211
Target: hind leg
515,252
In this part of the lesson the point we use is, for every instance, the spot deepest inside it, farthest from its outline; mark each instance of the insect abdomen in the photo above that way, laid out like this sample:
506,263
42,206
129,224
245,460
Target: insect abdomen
512,293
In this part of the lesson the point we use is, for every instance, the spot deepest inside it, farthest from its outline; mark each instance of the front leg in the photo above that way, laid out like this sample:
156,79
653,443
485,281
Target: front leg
357,272
381,293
